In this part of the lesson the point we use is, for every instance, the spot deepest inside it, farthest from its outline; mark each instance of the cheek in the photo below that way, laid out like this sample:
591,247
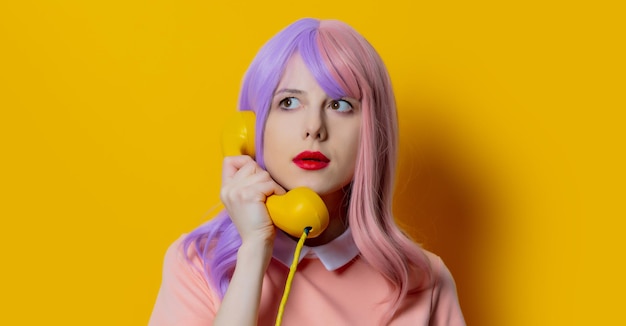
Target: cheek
355,140
270,149
276,141
352,144
269,135
354,152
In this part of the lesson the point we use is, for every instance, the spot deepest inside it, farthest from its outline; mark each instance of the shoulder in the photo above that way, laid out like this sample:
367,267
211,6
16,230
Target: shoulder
428,271
185,297
445,308
176,259
440,273
184,265
179,256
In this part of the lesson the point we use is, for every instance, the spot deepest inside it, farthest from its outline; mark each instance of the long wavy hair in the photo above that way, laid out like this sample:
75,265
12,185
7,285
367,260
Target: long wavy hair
344,64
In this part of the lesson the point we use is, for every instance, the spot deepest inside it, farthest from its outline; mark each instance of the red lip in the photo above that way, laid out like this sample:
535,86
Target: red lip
311,160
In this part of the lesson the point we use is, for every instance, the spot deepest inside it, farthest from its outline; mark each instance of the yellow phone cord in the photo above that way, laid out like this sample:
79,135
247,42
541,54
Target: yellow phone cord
292,272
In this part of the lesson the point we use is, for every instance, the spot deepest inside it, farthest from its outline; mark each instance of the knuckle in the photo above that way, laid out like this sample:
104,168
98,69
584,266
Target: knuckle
228,160
225,194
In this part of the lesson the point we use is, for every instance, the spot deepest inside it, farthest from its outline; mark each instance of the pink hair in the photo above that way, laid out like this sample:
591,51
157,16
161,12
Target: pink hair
360,71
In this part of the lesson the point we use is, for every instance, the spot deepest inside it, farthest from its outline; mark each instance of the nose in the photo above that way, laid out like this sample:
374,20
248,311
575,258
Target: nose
315,125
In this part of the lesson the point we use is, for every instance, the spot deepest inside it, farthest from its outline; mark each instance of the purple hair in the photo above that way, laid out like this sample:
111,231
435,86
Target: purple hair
344,64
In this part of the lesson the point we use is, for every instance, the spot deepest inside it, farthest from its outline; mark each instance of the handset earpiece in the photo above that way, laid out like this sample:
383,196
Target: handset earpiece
238,135
292,212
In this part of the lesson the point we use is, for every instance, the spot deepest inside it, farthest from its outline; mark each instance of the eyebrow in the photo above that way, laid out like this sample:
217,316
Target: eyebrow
289,90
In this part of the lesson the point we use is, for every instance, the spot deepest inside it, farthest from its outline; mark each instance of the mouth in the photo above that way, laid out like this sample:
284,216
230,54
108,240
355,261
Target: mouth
311,160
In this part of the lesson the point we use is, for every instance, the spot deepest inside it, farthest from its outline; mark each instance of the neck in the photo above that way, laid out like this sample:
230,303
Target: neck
337,205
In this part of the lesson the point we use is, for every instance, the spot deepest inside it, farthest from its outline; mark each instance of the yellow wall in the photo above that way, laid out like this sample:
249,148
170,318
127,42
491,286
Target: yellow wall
511,128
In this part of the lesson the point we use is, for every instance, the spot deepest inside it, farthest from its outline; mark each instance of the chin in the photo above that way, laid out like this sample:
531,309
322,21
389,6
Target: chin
315,186
327,192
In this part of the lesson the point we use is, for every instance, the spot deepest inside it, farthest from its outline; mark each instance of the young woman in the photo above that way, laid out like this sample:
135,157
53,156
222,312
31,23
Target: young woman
325,119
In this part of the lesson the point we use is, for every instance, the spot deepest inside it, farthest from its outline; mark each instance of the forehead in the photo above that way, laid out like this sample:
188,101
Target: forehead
298,76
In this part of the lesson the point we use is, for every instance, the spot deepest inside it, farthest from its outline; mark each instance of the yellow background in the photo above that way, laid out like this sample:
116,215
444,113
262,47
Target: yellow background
511,127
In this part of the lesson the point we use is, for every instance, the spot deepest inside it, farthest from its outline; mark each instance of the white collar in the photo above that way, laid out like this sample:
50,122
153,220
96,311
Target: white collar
333,255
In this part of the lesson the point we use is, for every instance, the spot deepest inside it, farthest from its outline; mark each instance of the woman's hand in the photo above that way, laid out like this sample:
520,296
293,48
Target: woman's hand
245,186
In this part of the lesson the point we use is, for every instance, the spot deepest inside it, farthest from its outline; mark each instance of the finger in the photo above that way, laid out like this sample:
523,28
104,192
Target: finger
260,183
260,176
249,174
232,164
270,187
278,190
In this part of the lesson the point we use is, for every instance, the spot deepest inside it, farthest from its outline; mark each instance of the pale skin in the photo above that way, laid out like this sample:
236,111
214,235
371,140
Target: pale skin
302,118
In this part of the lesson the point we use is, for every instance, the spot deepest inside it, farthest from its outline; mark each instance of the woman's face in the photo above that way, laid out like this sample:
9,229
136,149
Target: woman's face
310,139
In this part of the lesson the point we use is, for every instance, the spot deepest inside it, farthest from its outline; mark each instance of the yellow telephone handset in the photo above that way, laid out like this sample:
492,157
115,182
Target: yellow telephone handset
292,212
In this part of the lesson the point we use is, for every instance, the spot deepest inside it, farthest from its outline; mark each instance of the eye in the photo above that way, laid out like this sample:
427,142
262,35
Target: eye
289,103
340,106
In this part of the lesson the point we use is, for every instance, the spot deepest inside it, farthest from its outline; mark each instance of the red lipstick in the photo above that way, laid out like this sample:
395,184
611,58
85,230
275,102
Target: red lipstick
311,160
